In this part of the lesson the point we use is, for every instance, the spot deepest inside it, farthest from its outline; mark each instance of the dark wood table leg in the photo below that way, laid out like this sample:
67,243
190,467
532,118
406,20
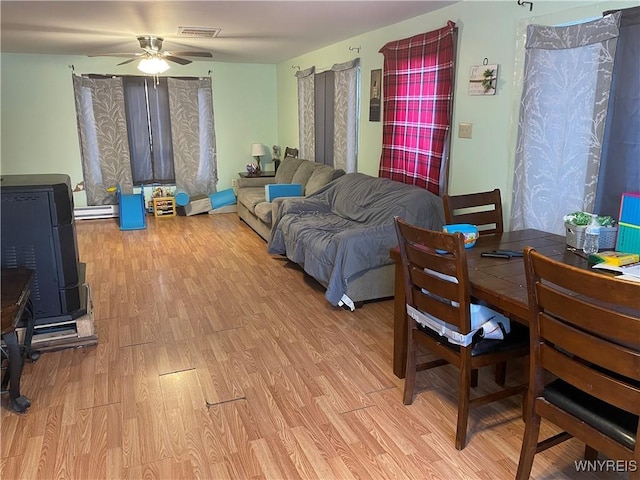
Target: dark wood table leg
19,402
29,353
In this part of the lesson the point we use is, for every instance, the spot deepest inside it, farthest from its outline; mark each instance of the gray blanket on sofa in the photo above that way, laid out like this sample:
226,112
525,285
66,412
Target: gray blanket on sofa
347,227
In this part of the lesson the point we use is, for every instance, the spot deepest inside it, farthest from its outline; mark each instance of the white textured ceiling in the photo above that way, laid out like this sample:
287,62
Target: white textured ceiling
251,31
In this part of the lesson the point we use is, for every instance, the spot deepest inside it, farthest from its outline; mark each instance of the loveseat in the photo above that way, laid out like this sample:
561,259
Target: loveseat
341,235
253,207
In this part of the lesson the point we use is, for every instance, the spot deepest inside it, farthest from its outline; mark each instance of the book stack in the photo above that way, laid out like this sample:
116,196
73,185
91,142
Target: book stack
628,239
616,259
625,265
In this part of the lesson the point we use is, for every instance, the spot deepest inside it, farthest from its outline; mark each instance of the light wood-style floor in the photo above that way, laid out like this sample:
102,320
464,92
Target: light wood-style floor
216,360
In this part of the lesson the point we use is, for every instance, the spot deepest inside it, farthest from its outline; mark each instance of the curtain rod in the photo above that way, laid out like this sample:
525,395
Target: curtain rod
73,71
524,3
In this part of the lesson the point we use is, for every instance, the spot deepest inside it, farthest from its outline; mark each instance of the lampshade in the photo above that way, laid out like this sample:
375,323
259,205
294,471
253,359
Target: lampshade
153,65
258,150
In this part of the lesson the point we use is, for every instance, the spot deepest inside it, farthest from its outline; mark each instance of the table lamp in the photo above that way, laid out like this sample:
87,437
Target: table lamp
258,150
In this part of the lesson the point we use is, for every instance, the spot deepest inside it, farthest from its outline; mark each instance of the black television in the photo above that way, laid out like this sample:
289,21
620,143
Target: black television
38,232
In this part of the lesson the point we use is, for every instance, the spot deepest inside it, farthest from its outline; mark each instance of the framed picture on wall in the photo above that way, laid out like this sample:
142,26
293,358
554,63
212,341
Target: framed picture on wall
375,97
483,79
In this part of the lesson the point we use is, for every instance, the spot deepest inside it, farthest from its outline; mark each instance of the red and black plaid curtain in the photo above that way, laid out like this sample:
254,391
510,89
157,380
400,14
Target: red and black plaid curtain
418,88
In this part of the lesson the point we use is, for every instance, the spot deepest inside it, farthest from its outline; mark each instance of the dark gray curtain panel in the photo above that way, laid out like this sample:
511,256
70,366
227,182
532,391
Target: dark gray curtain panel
620,161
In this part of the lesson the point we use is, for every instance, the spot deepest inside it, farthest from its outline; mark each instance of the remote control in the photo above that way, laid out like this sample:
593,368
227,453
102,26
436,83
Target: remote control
495,255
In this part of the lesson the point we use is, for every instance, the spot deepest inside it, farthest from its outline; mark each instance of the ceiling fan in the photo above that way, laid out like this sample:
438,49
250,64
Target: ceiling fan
153,57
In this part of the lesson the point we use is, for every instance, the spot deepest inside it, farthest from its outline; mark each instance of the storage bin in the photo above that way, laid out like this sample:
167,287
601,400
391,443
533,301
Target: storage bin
576,233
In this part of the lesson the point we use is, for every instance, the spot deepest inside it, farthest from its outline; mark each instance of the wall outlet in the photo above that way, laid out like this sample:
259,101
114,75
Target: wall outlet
234,182
464,130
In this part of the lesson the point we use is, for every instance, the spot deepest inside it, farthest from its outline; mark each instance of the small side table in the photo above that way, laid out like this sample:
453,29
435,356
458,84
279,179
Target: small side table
16,292
257,175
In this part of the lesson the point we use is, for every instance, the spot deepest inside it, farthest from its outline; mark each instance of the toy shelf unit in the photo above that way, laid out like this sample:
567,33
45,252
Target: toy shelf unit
164,206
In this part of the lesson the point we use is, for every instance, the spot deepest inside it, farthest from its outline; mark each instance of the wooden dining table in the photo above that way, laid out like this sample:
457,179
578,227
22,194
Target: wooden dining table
499,282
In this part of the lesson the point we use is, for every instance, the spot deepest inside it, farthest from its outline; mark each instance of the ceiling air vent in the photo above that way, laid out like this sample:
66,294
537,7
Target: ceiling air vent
198,32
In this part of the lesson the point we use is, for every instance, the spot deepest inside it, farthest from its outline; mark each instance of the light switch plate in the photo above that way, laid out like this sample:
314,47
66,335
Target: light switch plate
464,130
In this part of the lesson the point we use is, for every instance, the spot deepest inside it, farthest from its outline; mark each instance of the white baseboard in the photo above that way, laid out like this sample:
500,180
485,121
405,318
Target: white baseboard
95,212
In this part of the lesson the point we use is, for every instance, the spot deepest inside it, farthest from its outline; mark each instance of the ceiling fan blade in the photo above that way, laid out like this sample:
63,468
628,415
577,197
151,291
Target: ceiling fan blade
128,61
192,54
181,61
126,55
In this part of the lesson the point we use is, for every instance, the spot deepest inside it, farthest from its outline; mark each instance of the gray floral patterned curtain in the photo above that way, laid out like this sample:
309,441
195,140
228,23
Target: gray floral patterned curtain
193,134
306,113
563,109
102,129
345,105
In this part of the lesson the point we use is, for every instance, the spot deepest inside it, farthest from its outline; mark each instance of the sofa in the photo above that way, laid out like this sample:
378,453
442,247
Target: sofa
253,207
341,235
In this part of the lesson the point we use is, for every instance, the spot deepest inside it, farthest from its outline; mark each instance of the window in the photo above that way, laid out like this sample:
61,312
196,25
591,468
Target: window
566,83
324,93
175,140
418,97
149,130
328,105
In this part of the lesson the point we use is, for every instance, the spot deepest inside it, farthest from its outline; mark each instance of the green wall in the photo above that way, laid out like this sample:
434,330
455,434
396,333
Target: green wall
486,30
258,103
38,122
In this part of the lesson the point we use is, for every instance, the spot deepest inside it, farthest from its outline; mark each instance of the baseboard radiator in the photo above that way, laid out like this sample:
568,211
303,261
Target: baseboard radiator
95,212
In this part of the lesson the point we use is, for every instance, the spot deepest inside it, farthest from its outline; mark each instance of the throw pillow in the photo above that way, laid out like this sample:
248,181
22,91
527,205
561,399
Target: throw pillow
287,169
304,172
321,175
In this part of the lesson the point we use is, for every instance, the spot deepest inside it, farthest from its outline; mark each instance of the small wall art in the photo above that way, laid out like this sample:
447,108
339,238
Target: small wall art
483,79
375,95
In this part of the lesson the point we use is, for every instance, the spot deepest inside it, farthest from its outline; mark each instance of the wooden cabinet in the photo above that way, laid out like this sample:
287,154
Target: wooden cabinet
164,206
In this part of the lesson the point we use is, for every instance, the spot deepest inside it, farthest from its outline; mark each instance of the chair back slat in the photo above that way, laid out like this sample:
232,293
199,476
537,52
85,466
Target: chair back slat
583,313
419,256
428,280
483,209
591,348
485,220
441,310
607,290
614,390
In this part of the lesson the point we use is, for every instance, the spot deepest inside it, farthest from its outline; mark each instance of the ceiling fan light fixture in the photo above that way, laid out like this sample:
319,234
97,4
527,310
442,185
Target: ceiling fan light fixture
153,66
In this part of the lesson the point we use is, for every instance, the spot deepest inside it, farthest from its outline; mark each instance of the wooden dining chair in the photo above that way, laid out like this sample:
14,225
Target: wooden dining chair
585,335
290,152
483,209
437,286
